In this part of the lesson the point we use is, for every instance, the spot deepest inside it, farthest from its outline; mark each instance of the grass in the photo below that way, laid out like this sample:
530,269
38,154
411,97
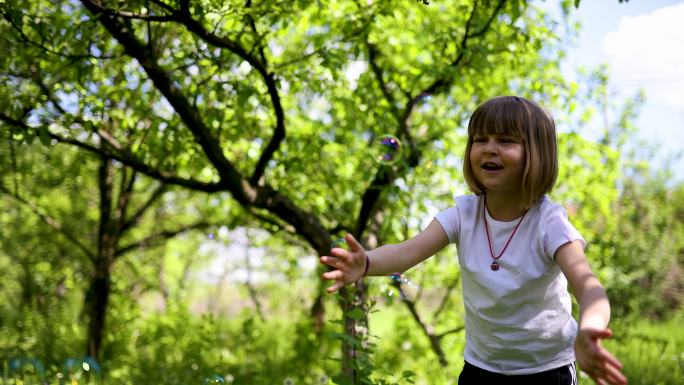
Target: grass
652,353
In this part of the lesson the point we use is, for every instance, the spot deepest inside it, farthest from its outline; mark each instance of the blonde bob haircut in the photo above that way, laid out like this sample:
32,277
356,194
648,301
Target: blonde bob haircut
513,115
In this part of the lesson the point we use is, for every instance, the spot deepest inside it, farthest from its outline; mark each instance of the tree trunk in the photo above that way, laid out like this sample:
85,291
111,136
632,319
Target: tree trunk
97,298
355,328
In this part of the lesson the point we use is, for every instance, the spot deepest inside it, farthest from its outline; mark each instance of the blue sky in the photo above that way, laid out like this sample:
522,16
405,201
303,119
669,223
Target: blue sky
642,41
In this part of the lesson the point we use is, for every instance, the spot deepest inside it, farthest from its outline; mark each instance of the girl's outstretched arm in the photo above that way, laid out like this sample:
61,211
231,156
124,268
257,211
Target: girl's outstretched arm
350,264
591,356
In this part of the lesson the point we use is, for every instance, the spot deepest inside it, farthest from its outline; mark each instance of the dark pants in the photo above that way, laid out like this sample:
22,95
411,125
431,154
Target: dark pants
472,375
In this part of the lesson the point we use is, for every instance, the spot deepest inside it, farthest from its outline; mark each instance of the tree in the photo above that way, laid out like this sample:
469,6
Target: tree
97,238
623,201
278,104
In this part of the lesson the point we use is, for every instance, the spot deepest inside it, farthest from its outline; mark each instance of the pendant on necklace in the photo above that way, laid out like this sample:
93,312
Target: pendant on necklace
495,266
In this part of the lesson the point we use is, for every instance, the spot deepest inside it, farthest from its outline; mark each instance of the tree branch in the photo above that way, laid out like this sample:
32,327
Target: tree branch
125,158
54,224
435,342
445,298
382,178
156,238
370,198
125,191
127,223
450,331
185,18
377,71
134,15
163,5
441,84
279,130
194,26
212,148
242,190
26,40
107,235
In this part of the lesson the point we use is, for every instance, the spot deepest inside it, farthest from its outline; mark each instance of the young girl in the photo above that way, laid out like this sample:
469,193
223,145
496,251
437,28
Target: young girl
517,252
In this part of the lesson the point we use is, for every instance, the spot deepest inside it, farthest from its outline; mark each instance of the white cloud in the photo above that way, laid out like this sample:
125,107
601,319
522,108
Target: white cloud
647,51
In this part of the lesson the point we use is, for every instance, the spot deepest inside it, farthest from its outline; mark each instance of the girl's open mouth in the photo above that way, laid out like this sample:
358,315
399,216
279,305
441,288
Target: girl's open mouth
490,166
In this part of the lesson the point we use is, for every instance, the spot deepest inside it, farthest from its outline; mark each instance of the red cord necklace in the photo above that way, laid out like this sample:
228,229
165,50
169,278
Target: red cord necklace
495,265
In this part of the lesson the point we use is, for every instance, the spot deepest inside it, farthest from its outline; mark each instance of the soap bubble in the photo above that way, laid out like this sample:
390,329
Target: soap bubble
84,370
26,370
214,379
387,149
407,289
339,242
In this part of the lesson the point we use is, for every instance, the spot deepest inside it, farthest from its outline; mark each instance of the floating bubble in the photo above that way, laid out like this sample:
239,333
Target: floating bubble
388,149
389,295
339,242
407,289
26,370
406,345
214,379
83,370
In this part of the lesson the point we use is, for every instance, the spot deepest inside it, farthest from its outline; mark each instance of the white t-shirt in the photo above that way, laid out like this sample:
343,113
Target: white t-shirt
517,319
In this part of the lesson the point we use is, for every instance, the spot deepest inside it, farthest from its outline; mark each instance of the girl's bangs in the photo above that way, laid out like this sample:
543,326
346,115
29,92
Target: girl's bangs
500,116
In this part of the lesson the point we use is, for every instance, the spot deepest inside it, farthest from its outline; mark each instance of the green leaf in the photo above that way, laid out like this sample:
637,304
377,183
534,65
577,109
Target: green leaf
408,374
341,380
356,313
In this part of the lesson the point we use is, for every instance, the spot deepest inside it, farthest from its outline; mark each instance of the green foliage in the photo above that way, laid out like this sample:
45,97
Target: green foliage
180,348
198,109
625,206
652,353
362,348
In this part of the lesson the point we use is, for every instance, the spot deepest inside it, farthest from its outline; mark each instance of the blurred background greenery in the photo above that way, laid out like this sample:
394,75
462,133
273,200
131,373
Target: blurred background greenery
170,171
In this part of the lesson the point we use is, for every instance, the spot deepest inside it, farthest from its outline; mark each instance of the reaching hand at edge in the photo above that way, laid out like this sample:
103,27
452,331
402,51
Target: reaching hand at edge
594,360
349,264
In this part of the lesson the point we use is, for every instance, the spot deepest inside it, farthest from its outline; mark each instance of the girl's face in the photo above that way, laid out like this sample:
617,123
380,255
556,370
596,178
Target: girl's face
498,161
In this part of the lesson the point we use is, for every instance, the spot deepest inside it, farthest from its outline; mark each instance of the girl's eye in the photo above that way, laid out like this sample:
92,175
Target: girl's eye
479,139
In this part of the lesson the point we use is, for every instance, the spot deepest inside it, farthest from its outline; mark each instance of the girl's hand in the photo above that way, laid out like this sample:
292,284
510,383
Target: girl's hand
595,360
349,264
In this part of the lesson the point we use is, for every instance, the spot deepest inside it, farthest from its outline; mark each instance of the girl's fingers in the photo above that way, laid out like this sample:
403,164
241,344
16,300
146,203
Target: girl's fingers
354,245
603,371
335,287
609,358
331,261
612,379
613,372
616,378
342,260
334,274
340,253
602,334
599,333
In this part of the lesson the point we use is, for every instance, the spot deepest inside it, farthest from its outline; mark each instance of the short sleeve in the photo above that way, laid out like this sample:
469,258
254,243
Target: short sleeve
558,231
450,220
